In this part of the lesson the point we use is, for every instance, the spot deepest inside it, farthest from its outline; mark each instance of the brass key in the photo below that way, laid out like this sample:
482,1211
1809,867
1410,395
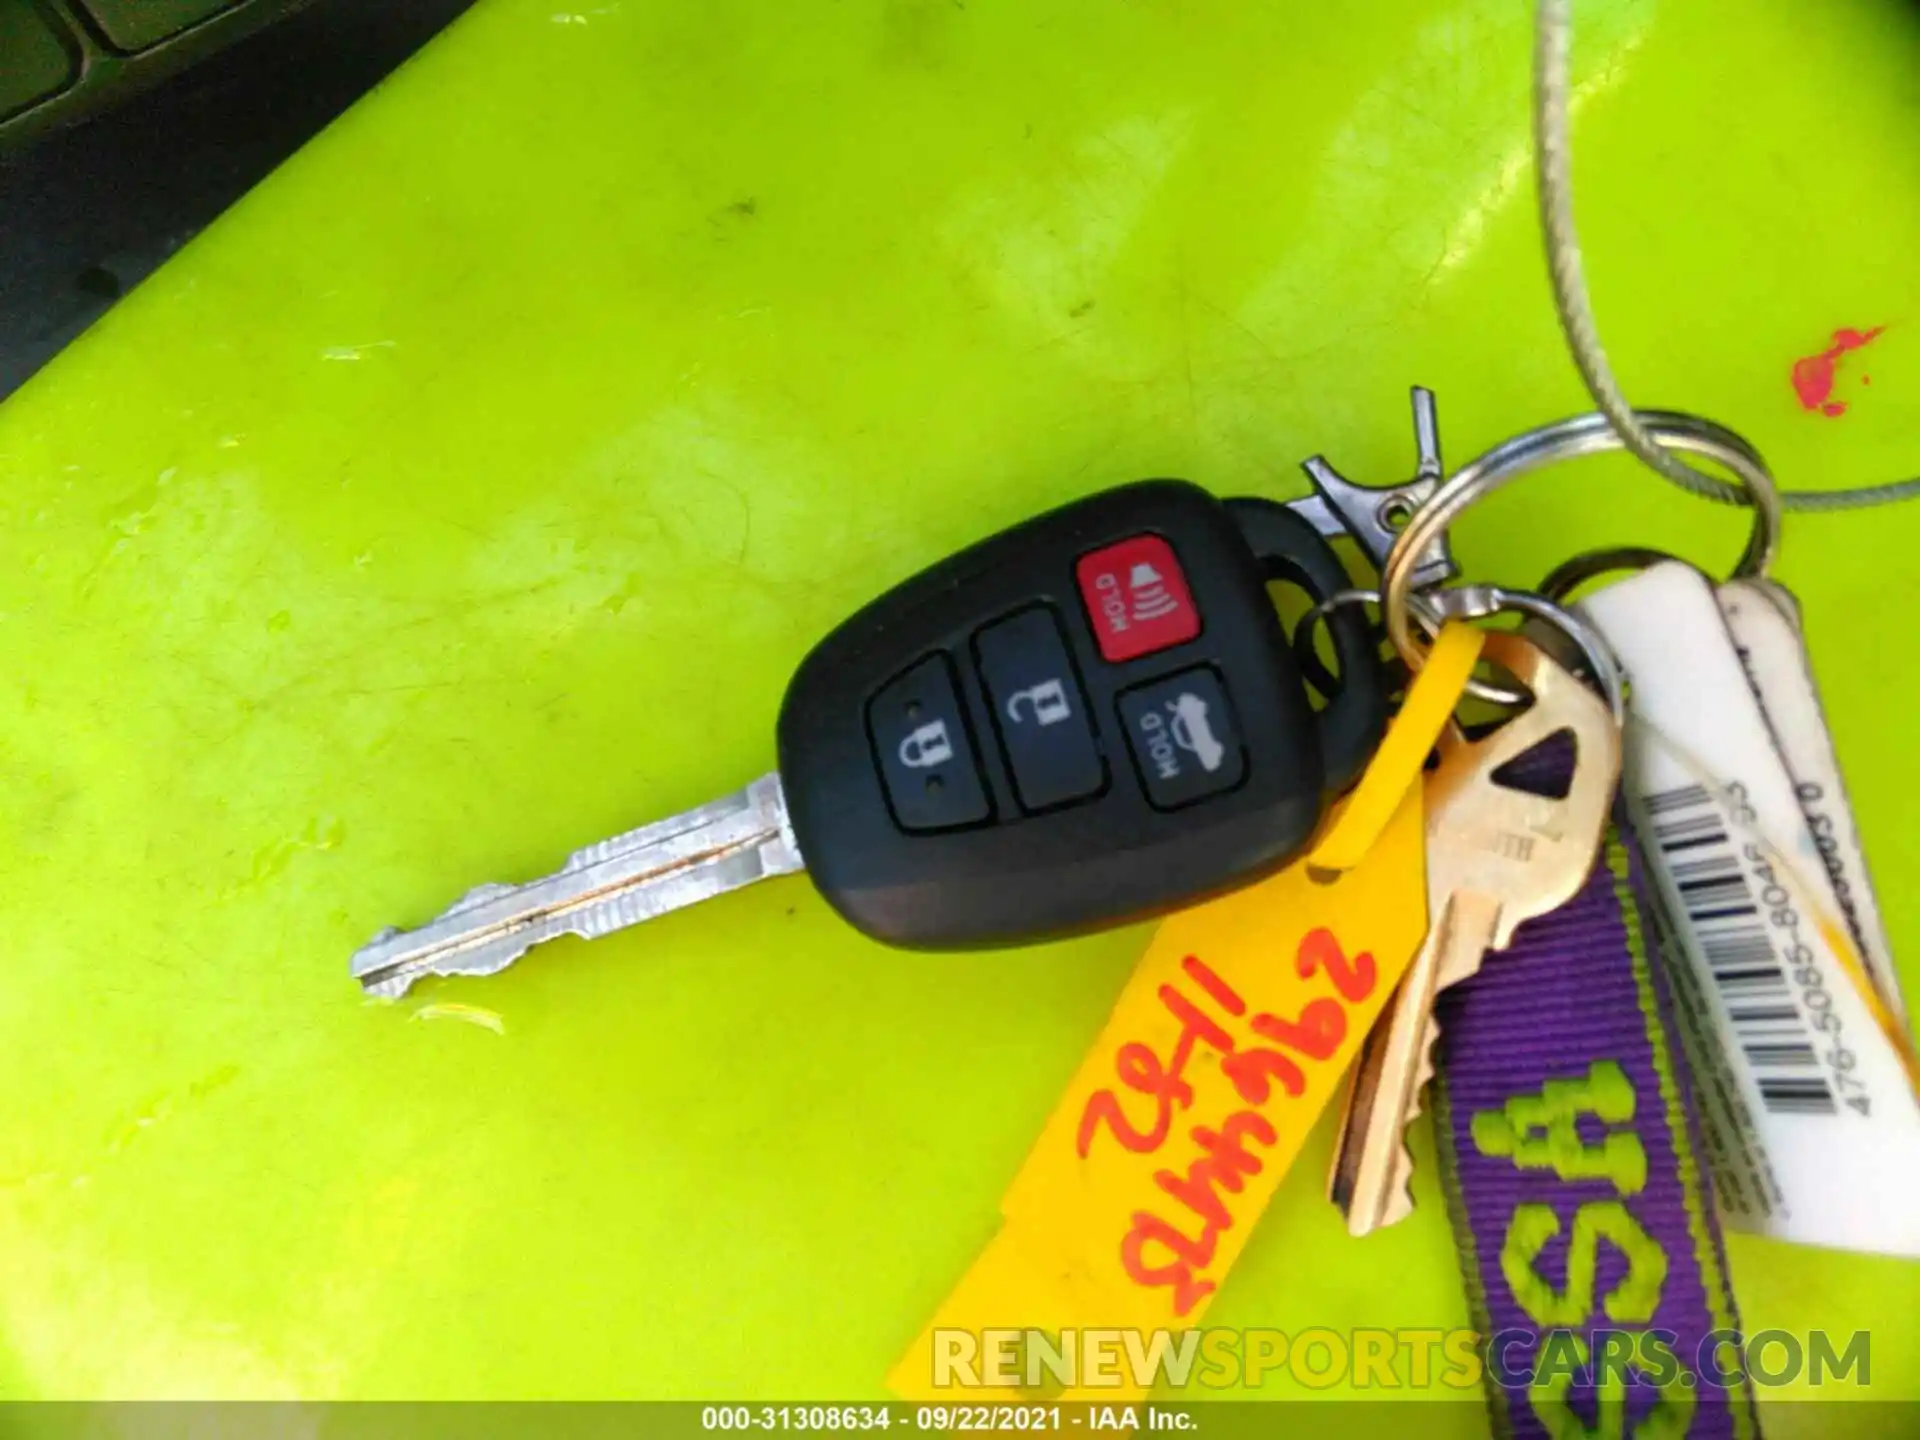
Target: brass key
1495,857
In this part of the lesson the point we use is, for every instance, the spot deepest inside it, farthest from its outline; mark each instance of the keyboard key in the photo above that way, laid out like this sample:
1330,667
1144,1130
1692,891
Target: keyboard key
136,24
34,61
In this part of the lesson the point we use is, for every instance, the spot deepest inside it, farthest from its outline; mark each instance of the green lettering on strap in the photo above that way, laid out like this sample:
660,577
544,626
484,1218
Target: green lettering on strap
1547,1397
1632,1301
1540,1132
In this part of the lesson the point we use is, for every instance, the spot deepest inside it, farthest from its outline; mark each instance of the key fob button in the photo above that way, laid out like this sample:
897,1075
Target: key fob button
1174,755
1039,710
926,757
1137,598
1184,737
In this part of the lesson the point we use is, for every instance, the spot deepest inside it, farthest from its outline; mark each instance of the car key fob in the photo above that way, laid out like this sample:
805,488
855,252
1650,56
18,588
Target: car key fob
1086,719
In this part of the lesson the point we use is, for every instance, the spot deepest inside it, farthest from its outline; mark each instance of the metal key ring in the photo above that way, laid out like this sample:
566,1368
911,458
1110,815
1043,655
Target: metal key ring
1473,602
1569,439
1569,575
1477,602
1424,610
1307,658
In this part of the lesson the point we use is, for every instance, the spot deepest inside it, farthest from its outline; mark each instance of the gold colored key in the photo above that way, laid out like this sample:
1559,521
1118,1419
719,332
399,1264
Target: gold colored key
1495,857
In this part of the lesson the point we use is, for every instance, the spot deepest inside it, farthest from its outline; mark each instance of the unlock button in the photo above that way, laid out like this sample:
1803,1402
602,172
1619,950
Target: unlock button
1039,710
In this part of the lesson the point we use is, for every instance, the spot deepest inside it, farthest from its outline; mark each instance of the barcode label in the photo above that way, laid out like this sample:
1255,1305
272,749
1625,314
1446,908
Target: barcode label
1719,904
1809,1119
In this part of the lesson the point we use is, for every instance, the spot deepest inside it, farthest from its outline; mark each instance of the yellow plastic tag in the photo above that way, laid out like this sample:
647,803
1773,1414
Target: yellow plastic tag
1403,751
1230,1038
1226,1045
1228,1042
1241,975
971,1352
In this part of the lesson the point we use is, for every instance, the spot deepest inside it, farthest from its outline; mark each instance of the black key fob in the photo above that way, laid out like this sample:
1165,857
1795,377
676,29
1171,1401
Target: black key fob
1082,721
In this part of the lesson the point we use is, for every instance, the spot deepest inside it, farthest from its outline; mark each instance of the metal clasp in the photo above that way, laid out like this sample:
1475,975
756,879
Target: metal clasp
1374,515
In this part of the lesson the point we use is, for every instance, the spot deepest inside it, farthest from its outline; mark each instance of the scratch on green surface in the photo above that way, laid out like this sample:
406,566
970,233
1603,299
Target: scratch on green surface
318,835
475,1015
164,1107
148,1116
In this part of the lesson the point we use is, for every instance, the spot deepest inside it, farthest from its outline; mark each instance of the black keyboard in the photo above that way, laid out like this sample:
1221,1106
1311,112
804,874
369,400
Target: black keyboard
61,59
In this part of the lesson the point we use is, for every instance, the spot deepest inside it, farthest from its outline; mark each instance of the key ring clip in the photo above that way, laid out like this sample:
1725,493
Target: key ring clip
1569,439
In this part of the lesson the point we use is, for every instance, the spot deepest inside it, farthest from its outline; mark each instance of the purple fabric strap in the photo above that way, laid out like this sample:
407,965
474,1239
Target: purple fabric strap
1571,1158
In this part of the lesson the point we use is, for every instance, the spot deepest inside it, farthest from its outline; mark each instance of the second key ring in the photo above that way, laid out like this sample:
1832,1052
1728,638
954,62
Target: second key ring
1549,444
1475,602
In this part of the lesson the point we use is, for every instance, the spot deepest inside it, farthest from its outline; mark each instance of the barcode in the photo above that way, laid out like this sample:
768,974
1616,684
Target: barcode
1691,833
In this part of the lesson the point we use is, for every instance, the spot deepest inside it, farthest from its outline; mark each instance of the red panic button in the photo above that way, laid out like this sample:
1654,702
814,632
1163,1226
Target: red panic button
1137,598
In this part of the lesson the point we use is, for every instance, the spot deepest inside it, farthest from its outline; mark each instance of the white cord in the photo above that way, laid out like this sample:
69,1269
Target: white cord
1553,156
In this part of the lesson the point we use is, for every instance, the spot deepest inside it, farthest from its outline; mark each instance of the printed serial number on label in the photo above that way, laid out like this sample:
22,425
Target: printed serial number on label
1750,932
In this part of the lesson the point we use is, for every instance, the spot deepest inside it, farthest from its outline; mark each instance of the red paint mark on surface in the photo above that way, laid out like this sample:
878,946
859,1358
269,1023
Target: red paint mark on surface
1813,375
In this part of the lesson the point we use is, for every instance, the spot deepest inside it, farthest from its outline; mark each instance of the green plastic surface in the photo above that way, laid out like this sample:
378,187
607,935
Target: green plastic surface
468,492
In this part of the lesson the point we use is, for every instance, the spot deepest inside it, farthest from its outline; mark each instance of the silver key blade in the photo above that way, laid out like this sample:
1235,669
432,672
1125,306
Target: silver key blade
707,851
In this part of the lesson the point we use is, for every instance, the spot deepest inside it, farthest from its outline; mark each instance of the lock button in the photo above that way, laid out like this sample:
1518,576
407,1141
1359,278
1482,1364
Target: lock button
926,757
1039,710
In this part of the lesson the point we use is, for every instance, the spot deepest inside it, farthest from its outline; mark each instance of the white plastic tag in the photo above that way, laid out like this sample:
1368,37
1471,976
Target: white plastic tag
1766,633
1812,1128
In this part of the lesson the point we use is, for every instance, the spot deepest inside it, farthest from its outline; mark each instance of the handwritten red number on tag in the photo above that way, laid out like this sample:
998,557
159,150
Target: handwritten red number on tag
1188,1256
1252,1072
1142,1071
1316,1034
1354,979
1228,998
1225,1163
